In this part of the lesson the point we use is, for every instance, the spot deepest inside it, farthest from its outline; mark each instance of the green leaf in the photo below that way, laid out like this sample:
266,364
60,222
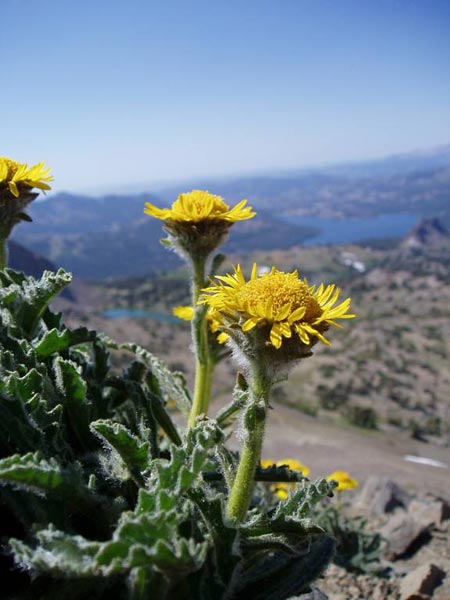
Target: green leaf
73,389
300,501
228,415
33,473
58,553
171,385
133,452
281,575
28,298
18,432
55,341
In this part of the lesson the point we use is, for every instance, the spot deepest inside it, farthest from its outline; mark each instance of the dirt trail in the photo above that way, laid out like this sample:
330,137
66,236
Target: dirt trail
326,447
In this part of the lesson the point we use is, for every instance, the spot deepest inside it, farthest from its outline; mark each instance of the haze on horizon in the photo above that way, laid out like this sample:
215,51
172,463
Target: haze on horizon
117,92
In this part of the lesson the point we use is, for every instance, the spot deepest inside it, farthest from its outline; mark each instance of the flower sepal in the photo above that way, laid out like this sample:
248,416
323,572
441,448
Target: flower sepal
12,210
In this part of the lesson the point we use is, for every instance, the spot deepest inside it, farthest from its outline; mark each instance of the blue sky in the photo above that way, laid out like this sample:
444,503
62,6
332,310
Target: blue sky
111,92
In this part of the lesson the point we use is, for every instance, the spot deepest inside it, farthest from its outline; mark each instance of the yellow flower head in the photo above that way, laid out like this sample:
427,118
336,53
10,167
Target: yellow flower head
280,488
198,222
283,306
187,314
345,482
15,175
199,205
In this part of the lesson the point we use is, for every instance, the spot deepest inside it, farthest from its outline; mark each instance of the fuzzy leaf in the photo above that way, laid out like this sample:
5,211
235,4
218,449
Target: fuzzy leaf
281,575
171,385
56,341
33,473
28,298
58,553
133,452
73,389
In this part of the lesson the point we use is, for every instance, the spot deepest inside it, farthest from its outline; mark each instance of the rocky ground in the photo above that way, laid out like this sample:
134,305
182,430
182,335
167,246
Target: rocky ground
416,548
408,503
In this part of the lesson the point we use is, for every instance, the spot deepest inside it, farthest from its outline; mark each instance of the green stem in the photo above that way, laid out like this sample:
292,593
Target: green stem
254,422
3,253
204,366
202,390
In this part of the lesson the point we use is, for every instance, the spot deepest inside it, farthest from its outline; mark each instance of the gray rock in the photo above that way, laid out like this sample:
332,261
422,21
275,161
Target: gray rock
443,591
429,513
400,533
381,495
420,583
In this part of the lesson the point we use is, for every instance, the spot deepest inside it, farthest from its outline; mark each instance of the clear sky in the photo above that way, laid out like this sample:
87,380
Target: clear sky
111,92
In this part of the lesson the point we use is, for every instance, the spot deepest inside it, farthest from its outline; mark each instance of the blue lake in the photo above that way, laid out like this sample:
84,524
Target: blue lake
333,230
120,313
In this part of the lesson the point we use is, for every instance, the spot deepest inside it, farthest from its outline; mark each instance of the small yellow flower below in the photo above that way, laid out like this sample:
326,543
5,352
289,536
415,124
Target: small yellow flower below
200,205
281,489
345,482
183,312
15,175
187,314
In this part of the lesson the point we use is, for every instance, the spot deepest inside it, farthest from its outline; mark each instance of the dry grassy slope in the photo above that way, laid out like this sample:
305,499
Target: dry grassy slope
393,359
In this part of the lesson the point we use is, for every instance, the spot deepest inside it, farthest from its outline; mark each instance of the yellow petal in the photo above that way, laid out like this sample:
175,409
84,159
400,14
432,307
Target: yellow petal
283,312
250,323
275,335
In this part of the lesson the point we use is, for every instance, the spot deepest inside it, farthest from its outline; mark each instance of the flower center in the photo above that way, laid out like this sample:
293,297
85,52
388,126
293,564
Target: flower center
198,200
281,288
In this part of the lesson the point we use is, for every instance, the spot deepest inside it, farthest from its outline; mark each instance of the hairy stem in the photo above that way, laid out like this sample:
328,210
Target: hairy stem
204,367
3,253
254,423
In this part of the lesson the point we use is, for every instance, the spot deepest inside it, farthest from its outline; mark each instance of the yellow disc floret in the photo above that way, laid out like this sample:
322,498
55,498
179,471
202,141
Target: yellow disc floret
200,205
15,175
282,301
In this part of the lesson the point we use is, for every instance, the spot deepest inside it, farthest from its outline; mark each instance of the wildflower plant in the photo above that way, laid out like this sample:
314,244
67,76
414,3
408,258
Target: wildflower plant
17,182
272,320
106,496
103,496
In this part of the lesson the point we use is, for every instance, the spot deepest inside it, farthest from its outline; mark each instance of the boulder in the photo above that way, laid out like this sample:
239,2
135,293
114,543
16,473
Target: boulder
400,533
420,583
381,495
429,513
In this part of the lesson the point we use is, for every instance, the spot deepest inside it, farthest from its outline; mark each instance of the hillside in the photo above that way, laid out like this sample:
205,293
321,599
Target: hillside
387,369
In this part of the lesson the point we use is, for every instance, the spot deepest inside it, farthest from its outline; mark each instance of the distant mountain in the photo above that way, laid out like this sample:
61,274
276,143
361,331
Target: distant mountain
396,164
111,237
430,232
31,263
135,250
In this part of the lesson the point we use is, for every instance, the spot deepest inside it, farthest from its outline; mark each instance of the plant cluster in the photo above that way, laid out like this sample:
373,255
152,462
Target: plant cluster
107,495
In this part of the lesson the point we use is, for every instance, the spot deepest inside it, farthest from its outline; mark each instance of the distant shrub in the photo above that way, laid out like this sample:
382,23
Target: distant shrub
333,398
362,416
395,421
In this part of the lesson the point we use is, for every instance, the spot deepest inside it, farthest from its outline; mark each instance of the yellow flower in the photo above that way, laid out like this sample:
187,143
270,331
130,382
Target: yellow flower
183,312
345,482
187,314
200,205
15,175
278,302
281,489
